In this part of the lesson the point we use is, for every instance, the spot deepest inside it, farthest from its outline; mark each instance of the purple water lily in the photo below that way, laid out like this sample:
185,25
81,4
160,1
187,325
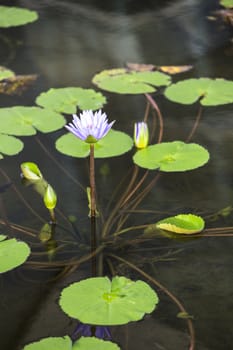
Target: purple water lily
90,127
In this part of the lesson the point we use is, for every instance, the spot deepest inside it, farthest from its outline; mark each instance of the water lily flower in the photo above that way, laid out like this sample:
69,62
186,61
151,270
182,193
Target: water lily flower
90,127
141,135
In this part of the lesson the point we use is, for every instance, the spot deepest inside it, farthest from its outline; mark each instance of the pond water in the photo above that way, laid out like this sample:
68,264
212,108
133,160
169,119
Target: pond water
67,46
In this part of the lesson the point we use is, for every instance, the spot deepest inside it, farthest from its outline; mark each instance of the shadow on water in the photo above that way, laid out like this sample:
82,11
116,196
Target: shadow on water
72,41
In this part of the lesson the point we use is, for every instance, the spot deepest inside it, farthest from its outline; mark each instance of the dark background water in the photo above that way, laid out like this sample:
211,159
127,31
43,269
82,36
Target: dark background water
72,41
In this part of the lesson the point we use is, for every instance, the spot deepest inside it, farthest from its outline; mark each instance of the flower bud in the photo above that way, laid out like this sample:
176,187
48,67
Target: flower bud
50,198
141,135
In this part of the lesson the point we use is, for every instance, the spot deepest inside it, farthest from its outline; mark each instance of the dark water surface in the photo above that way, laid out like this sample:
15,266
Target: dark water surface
72,41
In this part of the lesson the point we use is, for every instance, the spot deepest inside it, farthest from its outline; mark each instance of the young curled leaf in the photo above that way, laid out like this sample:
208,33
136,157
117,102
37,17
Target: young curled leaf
31,171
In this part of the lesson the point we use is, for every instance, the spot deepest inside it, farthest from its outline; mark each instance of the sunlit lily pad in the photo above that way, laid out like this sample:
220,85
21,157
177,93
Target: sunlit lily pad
211,92
123,81
113,144
66,100
182,224
15,16
227,3
10,145
92,343
65,343
51,343
12,254
99,301
172,156
5,73
24,121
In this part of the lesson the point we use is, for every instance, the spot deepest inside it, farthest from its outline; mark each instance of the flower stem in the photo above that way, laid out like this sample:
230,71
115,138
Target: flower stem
92,180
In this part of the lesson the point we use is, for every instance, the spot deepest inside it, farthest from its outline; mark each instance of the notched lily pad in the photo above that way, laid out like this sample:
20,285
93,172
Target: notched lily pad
12,254
10,145
51,343
227,3
99,301
24,121
92,343
113,144
15,16
124,81
65,343
211,92
66,100
182,224
172,156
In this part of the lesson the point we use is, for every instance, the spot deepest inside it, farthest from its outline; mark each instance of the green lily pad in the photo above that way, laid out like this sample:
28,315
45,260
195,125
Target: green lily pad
23,121
51,343
123,81
66,100
172,156
65,343
12,254
211,92
10,145
5,73
99,301
92,343
15,16
227,3
113,144
182,224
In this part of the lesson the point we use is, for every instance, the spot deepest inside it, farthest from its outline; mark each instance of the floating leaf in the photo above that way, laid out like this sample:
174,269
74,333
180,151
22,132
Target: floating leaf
92,343
124,81
182,223
5,73
211,92
24,121
65,343
16,16
113,144
16,84
67,99
172,156
10,145
12,254
2,237
227,3
184,315
99,301
51,343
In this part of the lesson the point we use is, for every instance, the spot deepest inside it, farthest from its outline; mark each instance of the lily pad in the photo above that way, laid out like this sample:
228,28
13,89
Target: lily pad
5,73
12,254
172,156
23,121
65,343
10,145
124,81
66,100
211,92
99,301
15,16
113,144
227,3
92,343
51,343
182,224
